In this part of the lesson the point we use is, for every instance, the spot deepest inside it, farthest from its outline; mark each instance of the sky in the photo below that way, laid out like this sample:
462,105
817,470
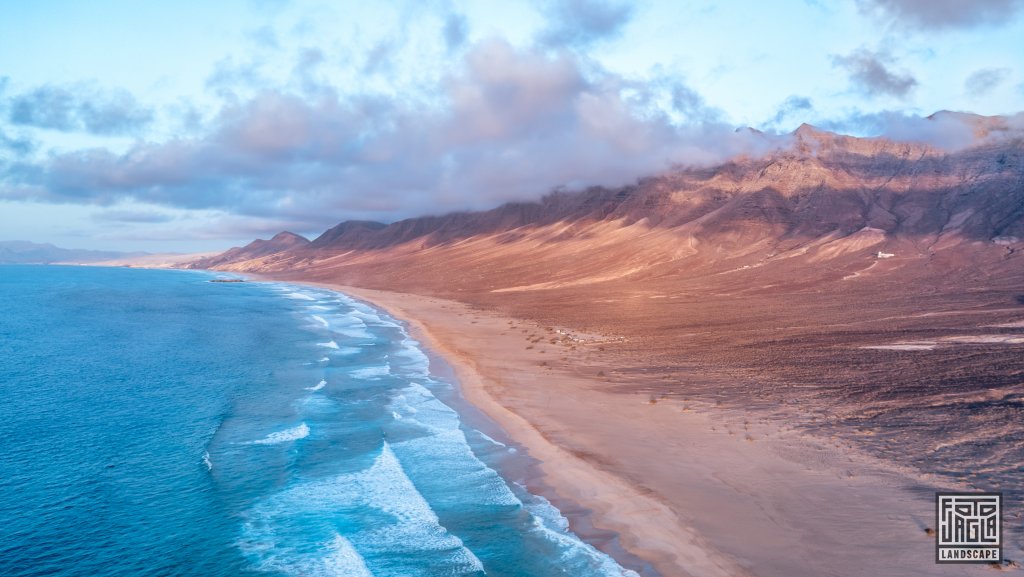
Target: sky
195,126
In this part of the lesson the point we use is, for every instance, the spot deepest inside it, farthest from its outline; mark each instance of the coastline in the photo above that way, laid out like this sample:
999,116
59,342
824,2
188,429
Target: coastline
522,469
604,503
562,478
688,489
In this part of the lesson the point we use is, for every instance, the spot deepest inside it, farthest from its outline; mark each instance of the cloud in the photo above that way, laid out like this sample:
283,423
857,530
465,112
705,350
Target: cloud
19,146
380,57
132,216
307,66
79,108
670,93
950,131
688,103
512,124
579,23
187,117
871,75
47,107
983,81
794,105
942,14
456,31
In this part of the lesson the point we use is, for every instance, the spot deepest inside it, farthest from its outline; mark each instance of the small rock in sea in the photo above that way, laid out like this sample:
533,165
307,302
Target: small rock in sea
929,531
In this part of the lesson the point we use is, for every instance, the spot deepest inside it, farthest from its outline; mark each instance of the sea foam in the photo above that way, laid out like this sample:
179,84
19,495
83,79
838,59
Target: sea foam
293,434
410,361
335,557
441,447
443,457
343,559
371,373
388,522
299,296
352,328
549,523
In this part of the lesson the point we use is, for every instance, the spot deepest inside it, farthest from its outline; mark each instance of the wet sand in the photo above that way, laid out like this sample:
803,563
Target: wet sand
692,488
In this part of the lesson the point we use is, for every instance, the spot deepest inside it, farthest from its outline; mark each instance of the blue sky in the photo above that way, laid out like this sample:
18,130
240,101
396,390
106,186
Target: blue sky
200,125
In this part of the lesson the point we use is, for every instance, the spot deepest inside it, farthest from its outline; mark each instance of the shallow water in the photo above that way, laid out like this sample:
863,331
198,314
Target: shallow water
160,424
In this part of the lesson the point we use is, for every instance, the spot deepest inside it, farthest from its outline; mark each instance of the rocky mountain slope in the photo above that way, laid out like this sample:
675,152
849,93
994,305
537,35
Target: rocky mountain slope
831,202
259,248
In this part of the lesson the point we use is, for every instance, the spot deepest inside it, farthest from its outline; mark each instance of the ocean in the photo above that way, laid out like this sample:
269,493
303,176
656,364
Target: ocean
156,423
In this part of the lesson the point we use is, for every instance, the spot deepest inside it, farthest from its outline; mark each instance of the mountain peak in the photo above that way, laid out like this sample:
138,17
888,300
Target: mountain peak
257,249
289,238
810,131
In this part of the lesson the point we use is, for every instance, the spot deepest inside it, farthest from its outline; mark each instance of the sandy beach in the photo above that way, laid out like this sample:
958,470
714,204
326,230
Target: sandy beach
694,490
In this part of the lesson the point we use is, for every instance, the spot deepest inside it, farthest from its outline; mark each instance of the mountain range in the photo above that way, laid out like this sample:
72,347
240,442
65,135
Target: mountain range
828,201
25,252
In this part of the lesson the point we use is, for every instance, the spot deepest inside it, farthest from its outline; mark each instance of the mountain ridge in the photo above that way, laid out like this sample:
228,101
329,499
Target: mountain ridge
280,242
824,188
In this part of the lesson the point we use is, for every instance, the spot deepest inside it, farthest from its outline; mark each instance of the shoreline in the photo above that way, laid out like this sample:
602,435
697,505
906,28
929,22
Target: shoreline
523,467
564,479
694,497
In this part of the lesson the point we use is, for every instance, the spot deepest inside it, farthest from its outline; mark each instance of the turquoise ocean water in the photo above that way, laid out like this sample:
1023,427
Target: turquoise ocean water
155,423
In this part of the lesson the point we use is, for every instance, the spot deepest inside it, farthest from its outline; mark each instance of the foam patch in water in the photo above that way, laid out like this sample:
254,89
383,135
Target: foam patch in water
293,434
335,557
377,372
299,296
583,557
384,520
411,361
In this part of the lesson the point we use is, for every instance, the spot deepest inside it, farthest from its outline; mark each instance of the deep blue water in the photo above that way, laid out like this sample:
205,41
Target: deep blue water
155,423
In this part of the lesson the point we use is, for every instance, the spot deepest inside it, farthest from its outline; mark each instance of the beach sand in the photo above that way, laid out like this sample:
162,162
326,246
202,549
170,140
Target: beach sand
692,489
